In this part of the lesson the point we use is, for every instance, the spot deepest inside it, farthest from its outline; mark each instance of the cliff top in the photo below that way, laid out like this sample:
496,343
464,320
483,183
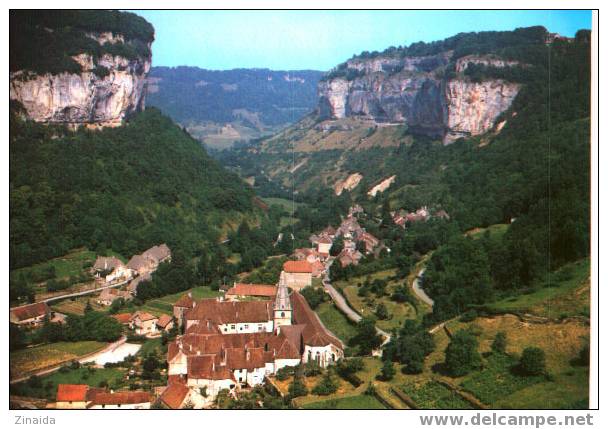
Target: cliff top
47,41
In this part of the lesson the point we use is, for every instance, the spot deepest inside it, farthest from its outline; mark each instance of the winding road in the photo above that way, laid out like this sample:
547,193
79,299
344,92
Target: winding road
343,306
418,290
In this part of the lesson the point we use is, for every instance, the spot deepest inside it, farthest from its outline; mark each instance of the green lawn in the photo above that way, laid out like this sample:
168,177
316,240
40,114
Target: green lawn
358,402
34,358
336,322
496,231
565,292
85,375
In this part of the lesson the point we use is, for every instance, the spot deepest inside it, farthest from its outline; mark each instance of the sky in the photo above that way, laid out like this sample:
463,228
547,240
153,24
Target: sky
319,40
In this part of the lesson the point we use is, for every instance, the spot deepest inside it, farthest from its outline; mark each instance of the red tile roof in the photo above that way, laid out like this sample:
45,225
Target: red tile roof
174,395
72,392
314,332
143,316
221,312
244,289
123,318
185,301
115,398
164,320
297,267
30,311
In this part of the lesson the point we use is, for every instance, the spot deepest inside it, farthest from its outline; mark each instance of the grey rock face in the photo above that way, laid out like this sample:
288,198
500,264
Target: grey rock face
84,98
412,90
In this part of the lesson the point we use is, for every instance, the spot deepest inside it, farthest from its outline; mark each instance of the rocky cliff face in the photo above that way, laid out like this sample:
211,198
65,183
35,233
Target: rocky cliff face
412,90
91,97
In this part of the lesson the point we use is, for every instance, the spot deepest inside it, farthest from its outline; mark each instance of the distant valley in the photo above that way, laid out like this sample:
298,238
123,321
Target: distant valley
221,108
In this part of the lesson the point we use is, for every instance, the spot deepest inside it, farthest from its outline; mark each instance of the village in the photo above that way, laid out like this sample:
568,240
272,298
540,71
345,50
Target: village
229,344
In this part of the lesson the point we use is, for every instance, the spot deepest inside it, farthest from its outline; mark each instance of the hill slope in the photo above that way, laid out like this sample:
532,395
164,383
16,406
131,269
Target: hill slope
125,188
223,107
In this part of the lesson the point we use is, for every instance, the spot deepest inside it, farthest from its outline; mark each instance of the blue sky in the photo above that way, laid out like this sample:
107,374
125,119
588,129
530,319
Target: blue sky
290,40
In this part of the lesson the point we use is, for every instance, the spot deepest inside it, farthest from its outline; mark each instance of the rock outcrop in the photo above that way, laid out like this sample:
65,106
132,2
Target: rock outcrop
413,90
348,184
91,97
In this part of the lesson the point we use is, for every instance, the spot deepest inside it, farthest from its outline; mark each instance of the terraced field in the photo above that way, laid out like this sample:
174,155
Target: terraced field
35,358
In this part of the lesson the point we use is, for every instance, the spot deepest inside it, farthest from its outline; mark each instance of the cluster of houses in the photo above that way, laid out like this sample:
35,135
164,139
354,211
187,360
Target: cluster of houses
110,270
351,232
145,324
402,217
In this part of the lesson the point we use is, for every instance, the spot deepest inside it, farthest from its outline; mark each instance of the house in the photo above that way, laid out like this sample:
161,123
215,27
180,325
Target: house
109,295
72,396
123,318
218,352
323,246
111,269
369,241
329,232
130,400
31,315
181,306
297,274
164,323
245,290
306,254
442,214
144,323
141,265
318,269
158,254
177,395
149,260
349,257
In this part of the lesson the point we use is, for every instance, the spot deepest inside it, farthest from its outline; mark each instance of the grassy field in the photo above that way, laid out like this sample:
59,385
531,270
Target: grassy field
153,346
77,306
286,204
34,358
496,231
335,321
565,292
85,375
366,306
357,402
432,395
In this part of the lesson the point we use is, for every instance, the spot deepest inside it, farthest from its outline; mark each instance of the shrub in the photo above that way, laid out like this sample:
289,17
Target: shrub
532,361
326,386
499,344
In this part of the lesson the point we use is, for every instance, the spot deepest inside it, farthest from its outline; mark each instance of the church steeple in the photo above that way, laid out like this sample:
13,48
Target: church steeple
282,305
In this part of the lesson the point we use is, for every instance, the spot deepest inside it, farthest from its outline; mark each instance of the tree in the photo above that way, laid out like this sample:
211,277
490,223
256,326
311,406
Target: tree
499,344
461,355
532,361
367,339
297,388
314,296
381,311
326,385
388,371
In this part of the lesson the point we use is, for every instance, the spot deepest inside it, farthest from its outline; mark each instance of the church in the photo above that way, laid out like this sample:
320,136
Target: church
237,344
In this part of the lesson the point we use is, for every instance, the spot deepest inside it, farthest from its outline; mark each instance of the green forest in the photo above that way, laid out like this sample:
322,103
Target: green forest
124,189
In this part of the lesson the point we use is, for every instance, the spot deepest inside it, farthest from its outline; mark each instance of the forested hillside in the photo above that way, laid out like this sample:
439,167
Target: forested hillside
124,189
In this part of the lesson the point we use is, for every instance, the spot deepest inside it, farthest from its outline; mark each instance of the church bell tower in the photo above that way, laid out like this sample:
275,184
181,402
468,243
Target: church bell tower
282,306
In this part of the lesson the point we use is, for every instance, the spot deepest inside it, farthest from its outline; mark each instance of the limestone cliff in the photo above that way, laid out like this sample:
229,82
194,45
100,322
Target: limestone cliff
99,87
415,91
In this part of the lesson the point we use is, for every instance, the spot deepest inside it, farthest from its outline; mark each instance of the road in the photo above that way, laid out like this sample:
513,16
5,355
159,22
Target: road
343,305
418,290
74,294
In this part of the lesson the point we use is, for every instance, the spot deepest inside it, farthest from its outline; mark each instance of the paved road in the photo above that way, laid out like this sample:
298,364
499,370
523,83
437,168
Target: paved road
418,290
343,305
